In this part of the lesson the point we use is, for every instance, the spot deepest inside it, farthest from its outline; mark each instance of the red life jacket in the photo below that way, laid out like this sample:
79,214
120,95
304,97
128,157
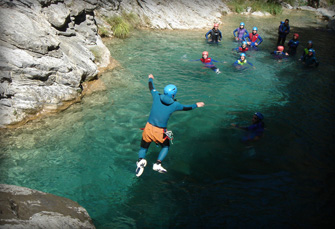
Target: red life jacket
253,37
243,49
207,60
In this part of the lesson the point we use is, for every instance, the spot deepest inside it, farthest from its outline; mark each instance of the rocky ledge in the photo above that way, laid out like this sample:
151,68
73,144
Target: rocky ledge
27,208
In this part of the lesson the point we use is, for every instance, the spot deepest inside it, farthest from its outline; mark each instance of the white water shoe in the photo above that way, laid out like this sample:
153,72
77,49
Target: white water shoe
140,167
159,168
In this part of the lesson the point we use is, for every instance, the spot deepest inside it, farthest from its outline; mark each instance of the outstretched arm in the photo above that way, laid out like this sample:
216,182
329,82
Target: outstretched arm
151,82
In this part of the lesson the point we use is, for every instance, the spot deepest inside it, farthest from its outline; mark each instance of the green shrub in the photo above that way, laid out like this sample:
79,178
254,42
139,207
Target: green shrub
103,32
119,26
132,19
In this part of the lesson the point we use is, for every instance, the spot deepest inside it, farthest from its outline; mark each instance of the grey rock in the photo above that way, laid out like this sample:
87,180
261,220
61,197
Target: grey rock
27,208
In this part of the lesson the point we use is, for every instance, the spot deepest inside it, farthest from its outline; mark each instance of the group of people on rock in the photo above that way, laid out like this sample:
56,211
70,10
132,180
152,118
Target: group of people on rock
165,104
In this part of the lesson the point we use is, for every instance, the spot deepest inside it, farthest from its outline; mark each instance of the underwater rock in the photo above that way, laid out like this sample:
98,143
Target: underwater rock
27,208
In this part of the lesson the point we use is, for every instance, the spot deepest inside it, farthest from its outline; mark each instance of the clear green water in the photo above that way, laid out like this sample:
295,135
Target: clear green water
88,152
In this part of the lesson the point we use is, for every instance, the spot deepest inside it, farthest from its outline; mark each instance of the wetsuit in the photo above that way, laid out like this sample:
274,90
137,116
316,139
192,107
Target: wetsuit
216,35
240,33
310,60
292,46
241,49
283,30
253,38
208,62
279,55
239,62
255,130
162,108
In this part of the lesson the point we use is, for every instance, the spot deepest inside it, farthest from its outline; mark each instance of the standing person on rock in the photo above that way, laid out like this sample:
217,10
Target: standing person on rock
155,129
215,34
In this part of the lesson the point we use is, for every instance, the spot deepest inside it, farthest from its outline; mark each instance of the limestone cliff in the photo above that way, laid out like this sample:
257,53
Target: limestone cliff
46,46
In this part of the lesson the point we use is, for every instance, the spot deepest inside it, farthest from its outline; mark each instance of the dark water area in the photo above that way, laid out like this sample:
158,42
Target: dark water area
286,180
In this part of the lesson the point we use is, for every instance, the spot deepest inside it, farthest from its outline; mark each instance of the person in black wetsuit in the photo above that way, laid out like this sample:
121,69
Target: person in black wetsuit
215,34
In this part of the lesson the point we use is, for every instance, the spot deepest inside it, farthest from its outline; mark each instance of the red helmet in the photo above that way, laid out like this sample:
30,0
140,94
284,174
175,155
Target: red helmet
297,35
216,24
205,53
280,48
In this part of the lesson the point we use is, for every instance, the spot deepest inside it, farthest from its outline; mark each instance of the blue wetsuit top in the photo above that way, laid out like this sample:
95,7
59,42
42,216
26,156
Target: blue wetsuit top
257,128
293,44
283,30
163,106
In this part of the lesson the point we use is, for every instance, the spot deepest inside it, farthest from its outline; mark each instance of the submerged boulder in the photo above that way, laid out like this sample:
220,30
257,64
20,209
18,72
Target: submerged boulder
27,208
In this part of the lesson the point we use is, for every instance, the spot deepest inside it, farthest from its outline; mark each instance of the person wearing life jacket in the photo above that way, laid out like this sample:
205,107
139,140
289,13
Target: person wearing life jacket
279,53
253,38
155,130
255,130
240,32
242,48
306,50
242,61
310,59
208,62
215,34
293,44
283,30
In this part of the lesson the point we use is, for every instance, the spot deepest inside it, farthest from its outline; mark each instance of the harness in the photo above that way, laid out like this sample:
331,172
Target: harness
253,37
206,61
243,49
241,63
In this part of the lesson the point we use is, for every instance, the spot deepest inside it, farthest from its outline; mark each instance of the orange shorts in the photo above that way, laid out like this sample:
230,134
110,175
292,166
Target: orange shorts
153,134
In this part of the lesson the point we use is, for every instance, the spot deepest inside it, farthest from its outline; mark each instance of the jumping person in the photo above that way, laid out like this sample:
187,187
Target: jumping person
155,129
215,34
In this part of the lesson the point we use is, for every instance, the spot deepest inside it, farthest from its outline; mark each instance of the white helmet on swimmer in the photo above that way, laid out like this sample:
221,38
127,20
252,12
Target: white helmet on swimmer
170,90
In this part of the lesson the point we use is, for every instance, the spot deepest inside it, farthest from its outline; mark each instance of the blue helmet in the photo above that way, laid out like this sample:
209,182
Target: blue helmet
244,43
311,50
259,115
310,42
170,90
242,54
242,23
255,28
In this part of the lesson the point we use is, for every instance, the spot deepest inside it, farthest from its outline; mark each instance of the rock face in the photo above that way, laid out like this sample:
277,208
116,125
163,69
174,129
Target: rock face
26,208
172,14
46,45
44,54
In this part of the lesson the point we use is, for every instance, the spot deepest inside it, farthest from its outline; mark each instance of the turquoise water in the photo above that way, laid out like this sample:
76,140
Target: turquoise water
88,152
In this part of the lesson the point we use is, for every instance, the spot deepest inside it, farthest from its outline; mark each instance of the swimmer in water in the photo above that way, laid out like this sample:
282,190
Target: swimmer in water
255,130
215,34
279,53
293,45
208,62
253,38
240,32
310,59
243,48
242,61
